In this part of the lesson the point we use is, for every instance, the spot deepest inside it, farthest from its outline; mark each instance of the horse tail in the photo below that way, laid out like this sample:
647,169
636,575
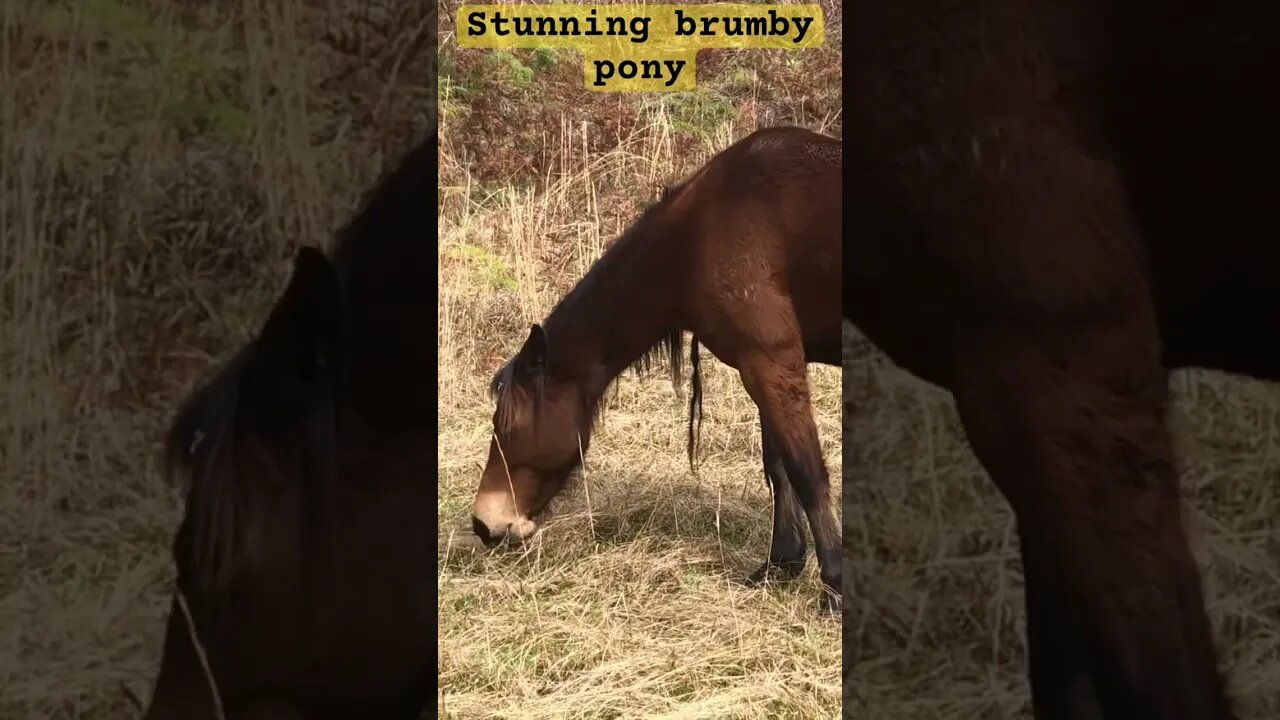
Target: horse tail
695,403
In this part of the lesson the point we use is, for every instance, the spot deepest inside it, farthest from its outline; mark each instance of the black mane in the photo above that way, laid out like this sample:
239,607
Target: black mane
669,348
200,444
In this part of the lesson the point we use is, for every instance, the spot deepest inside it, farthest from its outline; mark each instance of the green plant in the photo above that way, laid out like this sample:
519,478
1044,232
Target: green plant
518,73
492,269
698,113
165,72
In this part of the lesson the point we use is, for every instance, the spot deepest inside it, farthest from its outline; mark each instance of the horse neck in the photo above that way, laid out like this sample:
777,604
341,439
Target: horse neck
625,305
386,292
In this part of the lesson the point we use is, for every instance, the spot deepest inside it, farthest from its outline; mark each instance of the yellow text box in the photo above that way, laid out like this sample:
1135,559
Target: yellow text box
640,32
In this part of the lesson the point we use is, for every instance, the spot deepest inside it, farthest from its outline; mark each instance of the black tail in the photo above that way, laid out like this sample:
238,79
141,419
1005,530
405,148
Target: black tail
695,403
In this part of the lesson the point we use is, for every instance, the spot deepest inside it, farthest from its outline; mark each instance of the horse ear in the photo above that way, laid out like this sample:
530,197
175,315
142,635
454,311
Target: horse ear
533,354
297,345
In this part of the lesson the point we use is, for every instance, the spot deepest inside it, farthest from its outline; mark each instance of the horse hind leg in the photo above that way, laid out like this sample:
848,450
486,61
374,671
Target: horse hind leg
778,383
1056,370
1061,688
1080,450
787,546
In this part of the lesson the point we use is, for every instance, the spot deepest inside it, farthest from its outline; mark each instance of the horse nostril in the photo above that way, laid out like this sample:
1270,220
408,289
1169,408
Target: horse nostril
482,531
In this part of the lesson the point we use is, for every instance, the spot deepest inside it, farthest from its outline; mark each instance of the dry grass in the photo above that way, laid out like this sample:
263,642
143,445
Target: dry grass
630,602
160,163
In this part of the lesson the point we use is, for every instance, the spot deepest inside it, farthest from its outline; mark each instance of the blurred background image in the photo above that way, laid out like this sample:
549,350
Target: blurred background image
160,162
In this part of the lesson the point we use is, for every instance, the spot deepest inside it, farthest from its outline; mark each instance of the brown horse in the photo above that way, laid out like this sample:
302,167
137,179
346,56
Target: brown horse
303,554
745,254
1052,205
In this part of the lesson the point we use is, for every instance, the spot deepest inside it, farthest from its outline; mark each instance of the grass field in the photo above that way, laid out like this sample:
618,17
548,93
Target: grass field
630,603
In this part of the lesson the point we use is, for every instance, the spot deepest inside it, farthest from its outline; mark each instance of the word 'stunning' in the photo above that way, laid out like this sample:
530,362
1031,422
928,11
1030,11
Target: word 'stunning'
636,28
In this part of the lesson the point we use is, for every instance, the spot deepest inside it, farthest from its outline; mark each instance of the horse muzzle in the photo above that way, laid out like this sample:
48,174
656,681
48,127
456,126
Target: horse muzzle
492,535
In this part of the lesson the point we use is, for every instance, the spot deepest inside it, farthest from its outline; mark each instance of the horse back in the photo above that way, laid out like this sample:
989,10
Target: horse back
766,223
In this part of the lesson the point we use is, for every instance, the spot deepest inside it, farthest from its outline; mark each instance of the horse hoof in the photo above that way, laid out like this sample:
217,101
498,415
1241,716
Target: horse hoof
830,602
775,572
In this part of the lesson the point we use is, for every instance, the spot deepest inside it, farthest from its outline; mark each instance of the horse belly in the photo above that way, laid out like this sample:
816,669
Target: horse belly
1223,316
914,338
815,296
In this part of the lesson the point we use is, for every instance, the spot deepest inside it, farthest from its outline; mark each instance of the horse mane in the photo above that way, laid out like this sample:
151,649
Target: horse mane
394,205
205,439
199,455
669,348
